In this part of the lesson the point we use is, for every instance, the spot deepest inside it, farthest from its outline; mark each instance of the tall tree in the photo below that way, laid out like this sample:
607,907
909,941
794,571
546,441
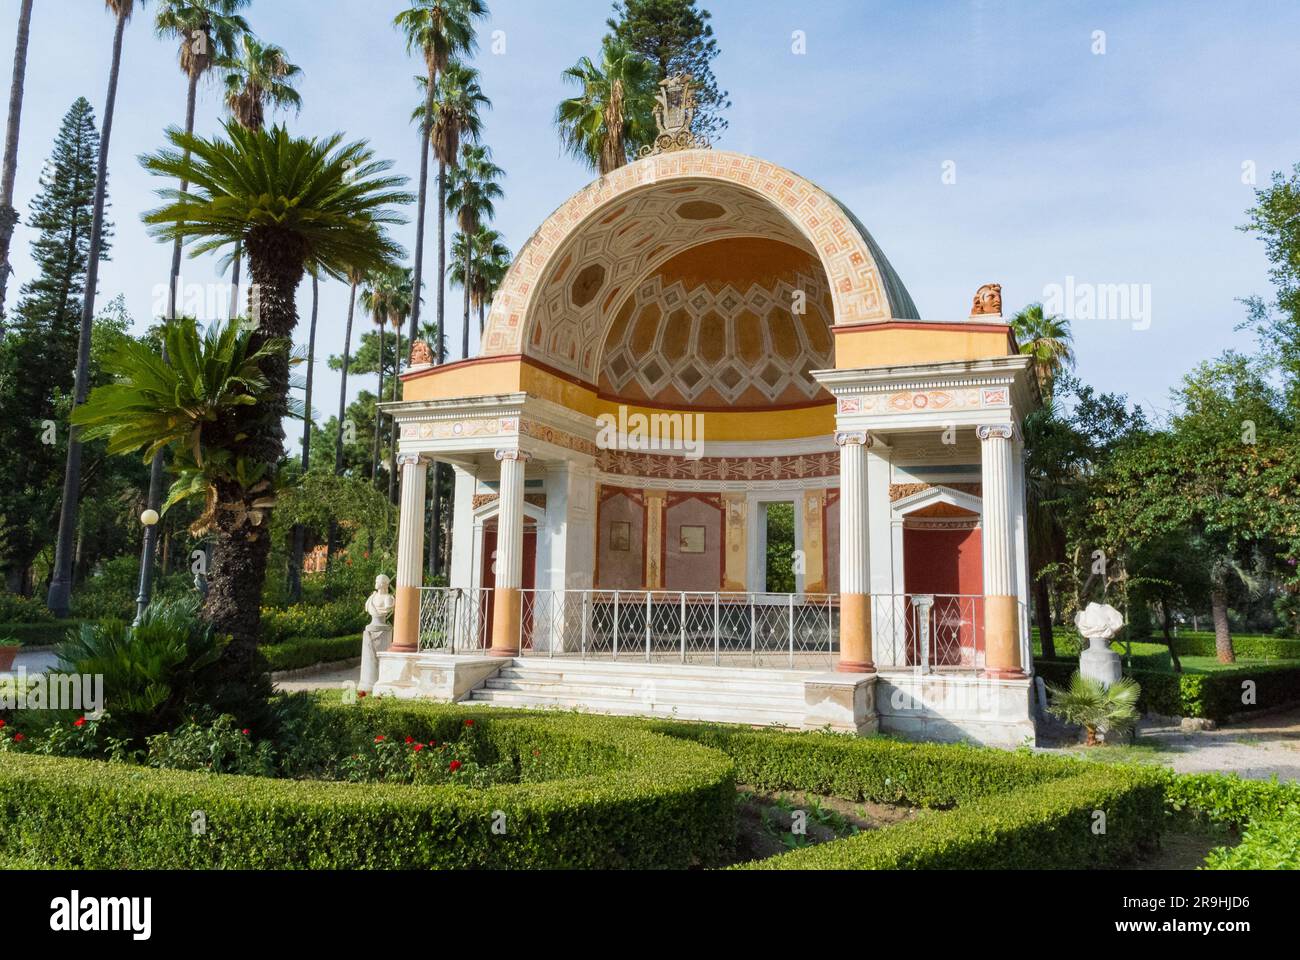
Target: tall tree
676,37
1048,340
295,205
474,189
456,118
613,115
489,259
38,357
258,75
59,598
1275,219
8,215
439,31
308,422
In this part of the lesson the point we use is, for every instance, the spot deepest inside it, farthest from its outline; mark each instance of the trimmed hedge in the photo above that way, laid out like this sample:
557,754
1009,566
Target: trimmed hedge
622,797
1272,844
1227,799
1212,696
1012,809
1247,647
1051,825
312,620
39,634
302,652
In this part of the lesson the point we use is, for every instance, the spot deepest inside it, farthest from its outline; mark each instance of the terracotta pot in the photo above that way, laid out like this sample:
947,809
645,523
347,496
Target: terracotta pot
7,654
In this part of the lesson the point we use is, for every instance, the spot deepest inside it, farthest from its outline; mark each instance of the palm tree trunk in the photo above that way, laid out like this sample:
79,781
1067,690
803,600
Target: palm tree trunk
299,531
482,305
8,215
242,518
392,427
469,284
417,274
234,281
59,597
379,414
332,540
442,259
1222,635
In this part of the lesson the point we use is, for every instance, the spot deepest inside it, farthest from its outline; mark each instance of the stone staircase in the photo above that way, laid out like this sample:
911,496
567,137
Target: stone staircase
673,691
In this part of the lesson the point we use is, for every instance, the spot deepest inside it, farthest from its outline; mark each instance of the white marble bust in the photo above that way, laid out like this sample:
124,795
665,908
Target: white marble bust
380,603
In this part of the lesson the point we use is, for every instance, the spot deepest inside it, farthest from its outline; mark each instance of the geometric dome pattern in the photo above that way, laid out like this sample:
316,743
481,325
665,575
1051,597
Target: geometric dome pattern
737,323
605,263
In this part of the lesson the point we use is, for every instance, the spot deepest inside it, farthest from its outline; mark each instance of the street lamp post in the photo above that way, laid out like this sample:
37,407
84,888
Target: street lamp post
150,521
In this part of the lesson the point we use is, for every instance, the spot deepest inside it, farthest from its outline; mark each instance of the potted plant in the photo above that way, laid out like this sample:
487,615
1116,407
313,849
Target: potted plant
8,650
1099,709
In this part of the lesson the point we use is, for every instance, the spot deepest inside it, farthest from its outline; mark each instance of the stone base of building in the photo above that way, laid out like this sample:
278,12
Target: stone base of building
433,676
843,702
956,708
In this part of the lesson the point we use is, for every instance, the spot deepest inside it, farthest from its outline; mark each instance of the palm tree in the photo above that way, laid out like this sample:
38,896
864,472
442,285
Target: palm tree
474,188
8,215
456,118
296,205
207,31
355,279
258,75
1048,340
614,113
60,593
440,30
488,258
381,300
300,532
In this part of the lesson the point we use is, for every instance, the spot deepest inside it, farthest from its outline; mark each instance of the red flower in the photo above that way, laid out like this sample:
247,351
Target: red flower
2,723
79,722
418,747
455,765
19,738
469,723
537,753
379,739
410,739
246,732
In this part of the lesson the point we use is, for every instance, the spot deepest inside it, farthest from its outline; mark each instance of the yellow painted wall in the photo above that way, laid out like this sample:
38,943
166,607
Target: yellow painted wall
895,347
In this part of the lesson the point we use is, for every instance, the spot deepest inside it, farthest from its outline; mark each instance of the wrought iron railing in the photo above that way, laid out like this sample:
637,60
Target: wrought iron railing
930,633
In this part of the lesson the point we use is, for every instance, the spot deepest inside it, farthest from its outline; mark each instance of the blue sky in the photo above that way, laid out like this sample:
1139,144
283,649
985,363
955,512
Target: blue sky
1118,168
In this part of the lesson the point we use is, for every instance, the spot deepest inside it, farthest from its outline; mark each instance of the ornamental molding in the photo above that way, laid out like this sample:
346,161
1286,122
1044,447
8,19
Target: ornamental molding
627,464
409,459
852,438
996,431
513,455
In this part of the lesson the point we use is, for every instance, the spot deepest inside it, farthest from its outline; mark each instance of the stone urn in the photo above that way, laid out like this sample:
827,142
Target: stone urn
7,653
1098,624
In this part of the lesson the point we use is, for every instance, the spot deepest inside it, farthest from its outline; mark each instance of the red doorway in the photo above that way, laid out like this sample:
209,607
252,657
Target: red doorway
488,578
946,563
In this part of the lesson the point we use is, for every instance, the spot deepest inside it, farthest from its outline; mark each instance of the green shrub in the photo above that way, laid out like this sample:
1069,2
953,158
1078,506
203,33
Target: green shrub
151,670
1212,696
320,621
15,608
1247,647
1229,800
611,794
302,652
1097,708
1268,844
1052,825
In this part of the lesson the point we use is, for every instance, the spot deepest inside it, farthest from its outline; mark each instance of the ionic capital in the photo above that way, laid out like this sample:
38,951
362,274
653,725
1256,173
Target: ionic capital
858,438
409,459
996,431
519,456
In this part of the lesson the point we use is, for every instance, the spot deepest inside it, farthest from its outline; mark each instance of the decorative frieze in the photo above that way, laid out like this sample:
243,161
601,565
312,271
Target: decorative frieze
653,467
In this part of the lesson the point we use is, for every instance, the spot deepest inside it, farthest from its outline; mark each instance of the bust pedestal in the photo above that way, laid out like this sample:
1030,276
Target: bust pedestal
374,641
1099,662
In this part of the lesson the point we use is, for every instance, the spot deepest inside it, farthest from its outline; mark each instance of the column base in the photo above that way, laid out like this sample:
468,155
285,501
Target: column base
855,666
403,648
1005,674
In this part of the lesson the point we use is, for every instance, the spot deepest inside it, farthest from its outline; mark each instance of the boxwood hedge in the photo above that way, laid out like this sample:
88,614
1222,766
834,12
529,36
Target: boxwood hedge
617,795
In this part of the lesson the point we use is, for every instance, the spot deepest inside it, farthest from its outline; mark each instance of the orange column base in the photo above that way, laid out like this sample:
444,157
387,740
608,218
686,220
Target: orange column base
855,634
507,609
406,620
1002,639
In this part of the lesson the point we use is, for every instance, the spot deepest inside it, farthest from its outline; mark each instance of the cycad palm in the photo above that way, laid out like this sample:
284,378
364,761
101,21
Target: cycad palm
614,114
294,204
1048,340
440,31
455,118
474,190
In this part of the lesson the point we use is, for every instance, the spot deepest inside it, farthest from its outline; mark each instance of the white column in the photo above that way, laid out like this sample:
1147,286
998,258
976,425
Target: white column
855,555
884,645
507,602
410,553
1020,529
1001,611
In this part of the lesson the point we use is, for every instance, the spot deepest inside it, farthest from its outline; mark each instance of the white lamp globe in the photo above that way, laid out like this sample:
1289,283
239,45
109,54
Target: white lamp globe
149,518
